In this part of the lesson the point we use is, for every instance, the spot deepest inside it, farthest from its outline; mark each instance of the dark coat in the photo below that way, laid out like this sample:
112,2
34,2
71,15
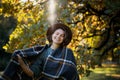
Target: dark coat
59,65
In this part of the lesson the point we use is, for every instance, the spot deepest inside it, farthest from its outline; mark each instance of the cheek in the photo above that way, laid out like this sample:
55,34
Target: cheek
62,39
52,37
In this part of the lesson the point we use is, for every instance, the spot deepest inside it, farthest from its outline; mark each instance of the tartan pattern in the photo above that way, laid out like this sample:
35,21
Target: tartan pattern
59,64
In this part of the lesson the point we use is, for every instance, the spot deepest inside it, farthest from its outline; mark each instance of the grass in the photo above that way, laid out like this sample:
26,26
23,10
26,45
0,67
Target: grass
107,72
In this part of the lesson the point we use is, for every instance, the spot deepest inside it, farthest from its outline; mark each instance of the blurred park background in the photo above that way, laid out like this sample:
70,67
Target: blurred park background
95,25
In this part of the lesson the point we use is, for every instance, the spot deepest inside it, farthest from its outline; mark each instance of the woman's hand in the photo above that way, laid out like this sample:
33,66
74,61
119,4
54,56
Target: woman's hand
25,67
20,60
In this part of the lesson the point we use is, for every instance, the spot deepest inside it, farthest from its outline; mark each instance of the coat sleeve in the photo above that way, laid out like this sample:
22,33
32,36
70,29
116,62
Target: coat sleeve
72,58
28,52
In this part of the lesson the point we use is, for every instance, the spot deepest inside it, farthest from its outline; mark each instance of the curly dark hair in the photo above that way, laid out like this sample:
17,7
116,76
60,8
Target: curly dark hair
66,29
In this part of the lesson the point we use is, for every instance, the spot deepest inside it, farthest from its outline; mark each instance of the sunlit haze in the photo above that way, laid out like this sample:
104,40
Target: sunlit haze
52,11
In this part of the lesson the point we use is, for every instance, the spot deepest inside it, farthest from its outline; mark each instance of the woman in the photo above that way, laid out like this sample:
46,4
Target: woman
53,62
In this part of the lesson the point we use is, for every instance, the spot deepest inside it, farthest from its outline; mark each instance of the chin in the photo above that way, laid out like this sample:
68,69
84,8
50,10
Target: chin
57,43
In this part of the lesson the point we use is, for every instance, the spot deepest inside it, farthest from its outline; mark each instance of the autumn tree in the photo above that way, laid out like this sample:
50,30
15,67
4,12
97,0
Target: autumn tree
95,25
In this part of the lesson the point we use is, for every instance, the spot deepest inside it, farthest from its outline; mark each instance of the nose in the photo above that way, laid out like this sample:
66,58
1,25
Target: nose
58,36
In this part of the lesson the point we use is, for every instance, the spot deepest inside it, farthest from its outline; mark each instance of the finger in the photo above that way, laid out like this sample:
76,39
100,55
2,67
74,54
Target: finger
20,60
19,57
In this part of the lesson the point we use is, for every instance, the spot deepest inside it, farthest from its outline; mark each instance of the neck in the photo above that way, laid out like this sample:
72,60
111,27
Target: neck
54,46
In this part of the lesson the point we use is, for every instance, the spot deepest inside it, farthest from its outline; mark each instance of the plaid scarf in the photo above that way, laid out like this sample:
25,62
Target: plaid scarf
59,64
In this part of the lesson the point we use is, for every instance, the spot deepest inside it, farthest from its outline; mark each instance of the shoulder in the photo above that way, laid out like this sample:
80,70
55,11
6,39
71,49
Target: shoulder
69,50
70,55
40,47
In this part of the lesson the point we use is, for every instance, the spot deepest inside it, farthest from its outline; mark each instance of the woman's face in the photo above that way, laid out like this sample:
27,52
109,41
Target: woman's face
58,36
